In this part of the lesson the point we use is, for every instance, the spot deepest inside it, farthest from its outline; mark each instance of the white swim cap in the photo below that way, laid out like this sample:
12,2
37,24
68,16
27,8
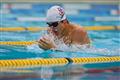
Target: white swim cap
55,13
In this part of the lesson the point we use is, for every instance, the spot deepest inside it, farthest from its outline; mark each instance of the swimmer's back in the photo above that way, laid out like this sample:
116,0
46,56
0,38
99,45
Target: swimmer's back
79,35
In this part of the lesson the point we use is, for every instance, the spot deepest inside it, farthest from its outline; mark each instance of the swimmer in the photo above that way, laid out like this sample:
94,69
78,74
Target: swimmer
62,29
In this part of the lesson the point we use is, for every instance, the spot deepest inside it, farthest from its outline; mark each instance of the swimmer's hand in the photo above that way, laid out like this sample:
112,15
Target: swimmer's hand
46,43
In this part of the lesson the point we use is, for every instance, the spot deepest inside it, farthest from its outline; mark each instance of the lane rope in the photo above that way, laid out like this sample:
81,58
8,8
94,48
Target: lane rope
36,29
18,43
32,29
21,63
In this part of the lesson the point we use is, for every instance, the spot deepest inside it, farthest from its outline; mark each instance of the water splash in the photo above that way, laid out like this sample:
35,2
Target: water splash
61,46
88,50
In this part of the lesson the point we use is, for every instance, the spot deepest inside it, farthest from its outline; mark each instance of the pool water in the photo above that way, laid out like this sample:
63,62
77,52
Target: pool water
104,43
107,44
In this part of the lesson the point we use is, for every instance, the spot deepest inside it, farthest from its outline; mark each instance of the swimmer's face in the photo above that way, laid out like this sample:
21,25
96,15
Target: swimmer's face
55,25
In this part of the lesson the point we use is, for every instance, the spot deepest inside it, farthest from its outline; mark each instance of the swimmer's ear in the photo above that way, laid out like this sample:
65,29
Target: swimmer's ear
65,21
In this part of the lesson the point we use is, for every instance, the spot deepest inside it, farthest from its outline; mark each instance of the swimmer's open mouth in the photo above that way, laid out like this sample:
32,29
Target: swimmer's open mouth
54,28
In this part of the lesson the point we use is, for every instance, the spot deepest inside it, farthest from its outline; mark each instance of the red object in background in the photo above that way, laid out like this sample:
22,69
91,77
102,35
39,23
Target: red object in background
118,11
117,69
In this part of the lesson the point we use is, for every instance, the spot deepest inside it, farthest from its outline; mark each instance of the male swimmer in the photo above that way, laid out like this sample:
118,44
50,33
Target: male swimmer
62,29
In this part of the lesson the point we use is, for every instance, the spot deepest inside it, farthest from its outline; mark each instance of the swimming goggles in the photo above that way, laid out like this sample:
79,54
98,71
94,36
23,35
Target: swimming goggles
54,24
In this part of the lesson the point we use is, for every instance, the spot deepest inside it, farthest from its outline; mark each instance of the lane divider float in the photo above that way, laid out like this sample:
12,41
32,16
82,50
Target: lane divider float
32,29
35,29
55,61
18,43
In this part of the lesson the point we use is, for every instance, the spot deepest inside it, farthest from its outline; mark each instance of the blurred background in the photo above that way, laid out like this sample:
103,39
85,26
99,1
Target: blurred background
84,12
